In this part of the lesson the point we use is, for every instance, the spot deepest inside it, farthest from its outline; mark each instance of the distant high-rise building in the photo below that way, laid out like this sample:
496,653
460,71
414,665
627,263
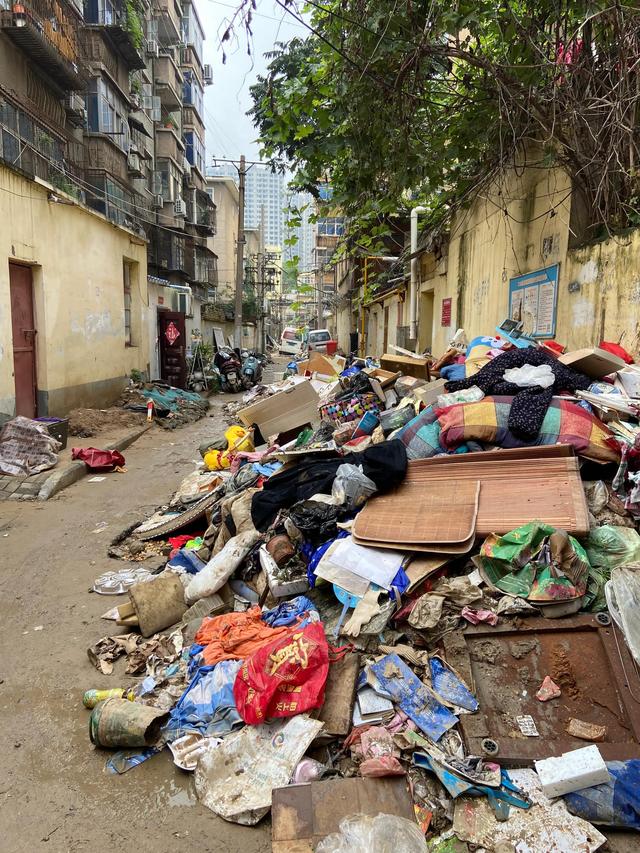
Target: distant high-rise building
303,248
265,189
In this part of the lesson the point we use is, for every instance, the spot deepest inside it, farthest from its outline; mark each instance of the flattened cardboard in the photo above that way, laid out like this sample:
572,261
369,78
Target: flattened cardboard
592,361
302,815
285,411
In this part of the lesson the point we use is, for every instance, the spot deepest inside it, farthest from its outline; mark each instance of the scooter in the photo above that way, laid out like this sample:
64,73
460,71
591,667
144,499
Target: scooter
251,370
228,364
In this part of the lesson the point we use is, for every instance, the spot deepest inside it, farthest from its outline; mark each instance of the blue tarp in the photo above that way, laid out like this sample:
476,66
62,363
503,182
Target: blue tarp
287,612
616,803
207,705
416,699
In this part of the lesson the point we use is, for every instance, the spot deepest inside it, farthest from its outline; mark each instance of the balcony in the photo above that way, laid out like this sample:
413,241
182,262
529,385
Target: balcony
191,117
168,83
123,26
169,145
47,31
169,17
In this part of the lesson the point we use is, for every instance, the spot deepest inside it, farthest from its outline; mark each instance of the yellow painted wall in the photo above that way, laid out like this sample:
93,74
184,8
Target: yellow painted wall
77,261
519,225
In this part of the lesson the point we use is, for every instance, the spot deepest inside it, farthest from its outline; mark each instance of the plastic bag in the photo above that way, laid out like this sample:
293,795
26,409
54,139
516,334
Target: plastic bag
383,833
316,521
530,375
597,495
396,418
611,546
622,593
284,678
98,460
466,395
352,487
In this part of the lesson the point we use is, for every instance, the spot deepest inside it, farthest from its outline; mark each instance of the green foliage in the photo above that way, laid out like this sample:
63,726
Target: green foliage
394,110
134,23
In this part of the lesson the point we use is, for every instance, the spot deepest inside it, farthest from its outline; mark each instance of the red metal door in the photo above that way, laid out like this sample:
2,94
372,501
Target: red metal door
173,348
24,339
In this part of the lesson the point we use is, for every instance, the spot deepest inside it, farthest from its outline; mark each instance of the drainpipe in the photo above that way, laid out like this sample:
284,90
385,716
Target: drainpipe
413,287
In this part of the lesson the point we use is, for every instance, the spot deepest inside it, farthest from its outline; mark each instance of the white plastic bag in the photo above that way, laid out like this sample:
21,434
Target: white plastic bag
623,601
220,568
529,375
383,833
351,486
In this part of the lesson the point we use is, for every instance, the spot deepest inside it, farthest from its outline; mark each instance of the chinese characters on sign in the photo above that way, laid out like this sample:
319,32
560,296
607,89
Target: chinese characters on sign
533,299
446,312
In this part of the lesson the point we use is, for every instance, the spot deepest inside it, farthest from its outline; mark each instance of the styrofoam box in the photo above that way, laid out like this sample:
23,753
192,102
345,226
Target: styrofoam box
277,587
580,768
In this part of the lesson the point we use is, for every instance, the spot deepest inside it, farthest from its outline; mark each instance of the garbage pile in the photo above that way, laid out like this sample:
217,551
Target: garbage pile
172,407
400,595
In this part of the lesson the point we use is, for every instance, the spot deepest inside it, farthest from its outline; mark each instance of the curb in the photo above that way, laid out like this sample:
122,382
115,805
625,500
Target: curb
76,470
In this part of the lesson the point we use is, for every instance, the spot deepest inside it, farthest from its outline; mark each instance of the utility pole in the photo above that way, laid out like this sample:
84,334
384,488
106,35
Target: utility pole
320,319
237,322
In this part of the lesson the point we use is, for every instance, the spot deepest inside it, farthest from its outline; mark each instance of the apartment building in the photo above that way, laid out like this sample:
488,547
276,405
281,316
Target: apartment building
106,229
265,200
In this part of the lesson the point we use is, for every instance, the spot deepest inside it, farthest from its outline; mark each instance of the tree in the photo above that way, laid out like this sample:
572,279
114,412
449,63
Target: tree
389,102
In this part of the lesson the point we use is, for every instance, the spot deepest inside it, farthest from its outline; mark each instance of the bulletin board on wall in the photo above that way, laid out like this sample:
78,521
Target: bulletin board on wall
533,299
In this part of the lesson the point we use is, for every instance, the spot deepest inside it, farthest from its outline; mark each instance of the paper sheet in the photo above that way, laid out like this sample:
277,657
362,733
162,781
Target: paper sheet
374,564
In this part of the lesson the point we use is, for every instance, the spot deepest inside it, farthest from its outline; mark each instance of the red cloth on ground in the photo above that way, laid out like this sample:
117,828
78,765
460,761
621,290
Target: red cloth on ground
98,460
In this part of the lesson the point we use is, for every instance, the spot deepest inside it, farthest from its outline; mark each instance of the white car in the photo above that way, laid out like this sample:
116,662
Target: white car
318,340
290,342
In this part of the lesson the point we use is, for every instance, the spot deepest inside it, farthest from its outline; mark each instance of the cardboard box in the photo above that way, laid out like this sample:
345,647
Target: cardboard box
386,378
592,361
295,406
328,365
429,394
418,367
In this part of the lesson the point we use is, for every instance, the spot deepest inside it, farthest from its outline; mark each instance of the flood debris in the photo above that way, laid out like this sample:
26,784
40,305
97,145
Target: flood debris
385,598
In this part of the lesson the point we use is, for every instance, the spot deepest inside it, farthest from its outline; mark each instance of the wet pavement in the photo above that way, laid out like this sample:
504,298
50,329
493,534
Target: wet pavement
54,793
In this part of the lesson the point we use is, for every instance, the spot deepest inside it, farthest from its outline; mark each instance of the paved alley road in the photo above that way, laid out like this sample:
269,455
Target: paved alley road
54,794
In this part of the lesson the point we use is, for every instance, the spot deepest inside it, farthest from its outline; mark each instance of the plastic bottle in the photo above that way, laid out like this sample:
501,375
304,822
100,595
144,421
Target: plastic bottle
92,697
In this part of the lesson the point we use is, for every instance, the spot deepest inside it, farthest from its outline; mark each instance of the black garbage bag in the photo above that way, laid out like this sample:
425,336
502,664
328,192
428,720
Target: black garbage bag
316,520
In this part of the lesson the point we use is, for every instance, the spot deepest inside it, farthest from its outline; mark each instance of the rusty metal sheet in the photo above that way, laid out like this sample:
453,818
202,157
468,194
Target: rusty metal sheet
506,665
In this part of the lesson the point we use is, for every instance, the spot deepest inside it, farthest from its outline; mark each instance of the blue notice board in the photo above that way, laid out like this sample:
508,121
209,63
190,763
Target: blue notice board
533,298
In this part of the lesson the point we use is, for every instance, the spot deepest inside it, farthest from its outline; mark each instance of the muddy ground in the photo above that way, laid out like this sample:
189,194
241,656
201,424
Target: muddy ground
54,795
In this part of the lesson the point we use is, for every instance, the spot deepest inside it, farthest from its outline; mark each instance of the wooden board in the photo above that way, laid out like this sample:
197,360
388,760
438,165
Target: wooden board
515,488
339,695
505,666
302,815
444,514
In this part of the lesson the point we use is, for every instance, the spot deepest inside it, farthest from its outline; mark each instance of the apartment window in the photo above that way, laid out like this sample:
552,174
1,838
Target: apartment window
325,191
194,150
192,92
331,226
100,12
192,33
126,278
107,112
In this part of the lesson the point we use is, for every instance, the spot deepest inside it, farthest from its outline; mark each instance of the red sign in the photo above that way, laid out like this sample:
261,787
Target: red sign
171,333
446,312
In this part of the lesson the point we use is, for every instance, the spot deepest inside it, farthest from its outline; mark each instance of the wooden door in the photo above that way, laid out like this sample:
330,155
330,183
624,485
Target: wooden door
173,348
24,339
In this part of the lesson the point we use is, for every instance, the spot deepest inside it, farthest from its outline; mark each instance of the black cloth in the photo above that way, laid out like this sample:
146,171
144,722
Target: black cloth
529,404
384,463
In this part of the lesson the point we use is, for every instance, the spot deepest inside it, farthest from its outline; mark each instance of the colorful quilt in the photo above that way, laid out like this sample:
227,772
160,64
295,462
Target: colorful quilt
487,421
421,436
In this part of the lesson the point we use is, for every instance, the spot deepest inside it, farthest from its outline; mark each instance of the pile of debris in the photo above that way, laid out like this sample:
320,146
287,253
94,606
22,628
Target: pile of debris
172,407
397,595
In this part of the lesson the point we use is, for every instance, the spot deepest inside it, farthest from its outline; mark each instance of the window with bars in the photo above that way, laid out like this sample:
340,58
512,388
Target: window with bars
107,112
195,150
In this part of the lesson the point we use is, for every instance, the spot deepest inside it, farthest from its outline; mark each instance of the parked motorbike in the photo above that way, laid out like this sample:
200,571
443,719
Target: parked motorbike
251,369
230,369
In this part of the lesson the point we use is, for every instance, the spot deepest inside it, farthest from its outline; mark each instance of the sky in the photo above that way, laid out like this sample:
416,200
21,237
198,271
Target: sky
230,131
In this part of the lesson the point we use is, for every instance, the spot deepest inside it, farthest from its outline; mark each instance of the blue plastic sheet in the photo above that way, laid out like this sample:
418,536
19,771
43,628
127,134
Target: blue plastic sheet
187,559
616,803
207,705
287,612
314,555
416,699
449,687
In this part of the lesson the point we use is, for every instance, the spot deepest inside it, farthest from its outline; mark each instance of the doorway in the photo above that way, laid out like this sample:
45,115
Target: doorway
24,339
425,321
173,348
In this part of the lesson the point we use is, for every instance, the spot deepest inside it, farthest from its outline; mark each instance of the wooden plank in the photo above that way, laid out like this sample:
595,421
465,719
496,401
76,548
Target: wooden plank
339,695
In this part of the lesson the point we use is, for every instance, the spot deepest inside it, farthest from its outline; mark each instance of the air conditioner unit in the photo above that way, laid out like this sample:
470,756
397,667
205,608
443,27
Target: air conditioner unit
153,48
74,103
179,208
158,201
186,166
133,162
208,75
